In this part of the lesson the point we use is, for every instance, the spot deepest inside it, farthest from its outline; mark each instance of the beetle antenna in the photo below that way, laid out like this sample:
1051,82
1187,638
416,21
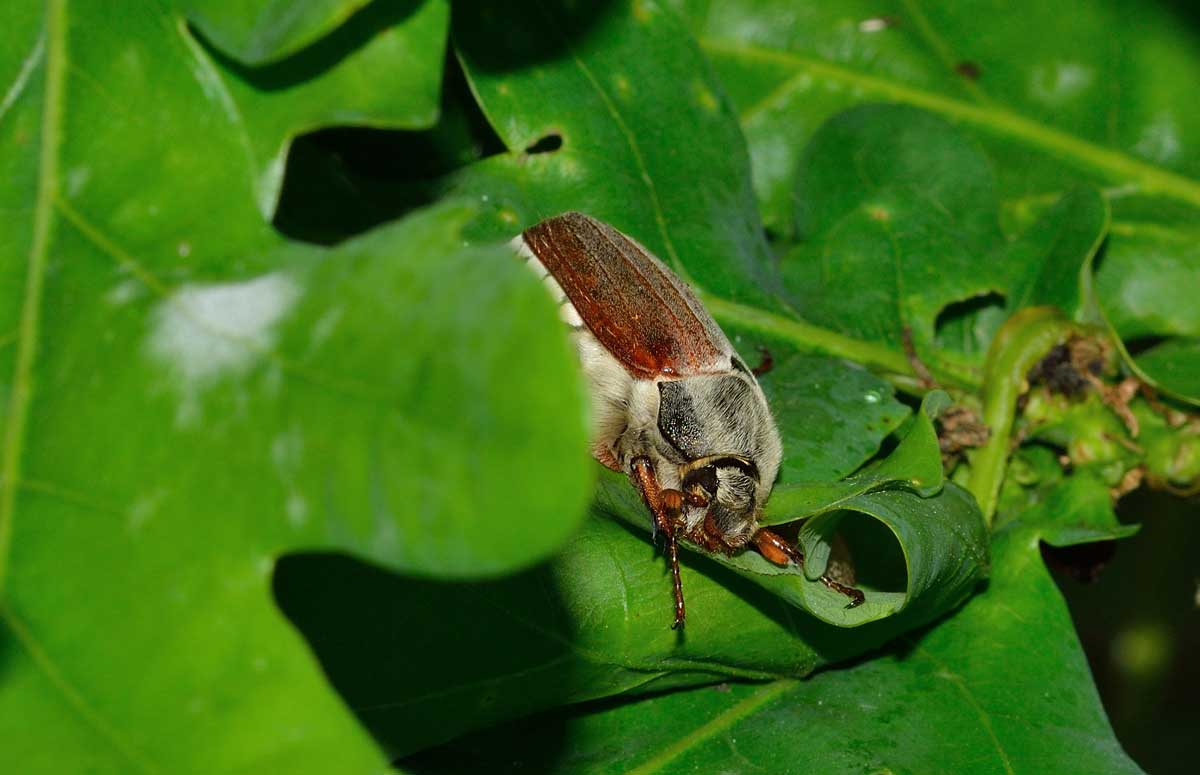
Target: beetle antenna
673,557
661,502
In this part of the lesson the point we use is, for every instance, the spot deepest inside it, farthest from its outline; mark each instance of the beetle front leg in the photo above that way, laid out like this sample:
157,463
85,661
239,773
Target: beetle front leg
665,506
777,550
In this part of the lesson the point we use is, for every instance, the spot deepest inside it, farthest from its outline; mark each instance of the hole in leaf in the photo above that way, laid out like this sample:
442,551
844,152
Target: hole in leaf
967,326
341,181
548,144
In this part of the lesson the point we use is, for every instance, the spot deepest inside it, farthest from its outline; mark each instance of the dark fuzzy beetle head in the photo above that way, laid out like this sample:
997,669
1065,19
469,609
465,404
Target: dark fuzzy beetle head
729,485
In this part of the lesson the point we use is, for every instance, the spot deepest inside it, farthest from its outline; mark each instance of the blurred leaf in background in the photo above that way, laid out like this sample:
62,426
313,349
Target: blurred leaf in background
188,396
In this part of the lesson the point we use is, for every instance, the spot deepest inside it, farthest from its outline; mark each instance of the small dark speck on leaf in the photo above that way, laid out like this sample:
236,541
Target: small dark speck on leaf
968,70
548,144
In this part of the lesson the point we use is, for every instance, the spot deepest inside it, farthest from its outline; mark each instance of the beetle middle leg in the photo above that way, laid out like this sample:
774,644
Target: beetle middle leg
777,550
665,506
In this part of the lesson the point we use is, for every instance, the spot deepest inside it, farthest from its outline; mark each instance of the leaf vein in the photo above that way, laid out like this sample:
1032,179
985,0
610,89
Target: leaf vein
941,48
22,80
638,158
1112,163
385,707
45,663
985,718
714,726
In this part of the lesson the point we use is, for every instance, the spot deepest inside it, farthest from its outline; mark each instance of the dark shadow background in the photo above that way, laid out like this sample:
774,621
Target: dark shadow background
1139,622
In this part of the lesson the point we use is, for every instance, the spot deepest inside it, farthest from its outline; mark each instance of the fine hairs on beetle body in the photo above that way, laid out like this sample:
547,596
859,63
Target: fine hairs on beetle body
673,406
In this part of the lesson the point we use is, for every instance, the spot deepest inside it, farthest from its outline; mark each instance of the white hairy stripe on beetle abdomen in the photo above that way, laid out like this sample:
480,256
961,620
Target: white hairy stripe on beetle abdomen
624,409
566,310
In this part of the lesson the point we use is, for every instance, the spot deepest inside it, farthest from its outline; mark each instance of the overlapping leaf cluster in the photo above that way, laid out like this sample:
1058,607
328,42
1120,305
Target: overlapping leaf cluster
207,423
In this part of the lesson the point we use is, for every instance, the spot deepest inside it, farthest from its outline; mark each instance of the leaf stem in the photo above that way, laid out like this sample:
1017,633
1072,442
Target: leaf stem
811,338
1021,342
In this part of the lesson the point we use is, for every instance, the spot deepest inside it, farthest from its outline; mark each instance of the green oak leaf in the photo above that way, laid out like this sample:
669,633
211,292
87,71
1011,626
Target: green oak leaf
1173,365
914,464
258,31
1146,294
1057,251
948,700
1098,97
841,415
188,396
422,662
627,92
284,394
908,249
1077,510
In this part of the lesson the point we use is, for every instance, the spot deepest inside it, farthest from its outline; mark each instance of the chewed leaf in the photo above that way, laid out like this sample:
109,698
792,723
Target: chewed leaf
1054,255
920,190
937,531
620,124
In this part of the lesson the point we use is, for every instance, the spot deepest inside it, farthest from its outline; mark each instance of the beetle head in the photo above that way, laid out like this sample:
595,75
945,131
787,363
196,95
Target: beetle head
728,487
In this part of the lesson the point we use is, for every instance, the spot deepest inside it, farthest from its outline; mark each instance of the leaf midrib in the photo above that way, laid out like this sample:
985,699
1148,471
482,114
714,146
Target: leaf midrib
630,139
1113,164
714,726
53,34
